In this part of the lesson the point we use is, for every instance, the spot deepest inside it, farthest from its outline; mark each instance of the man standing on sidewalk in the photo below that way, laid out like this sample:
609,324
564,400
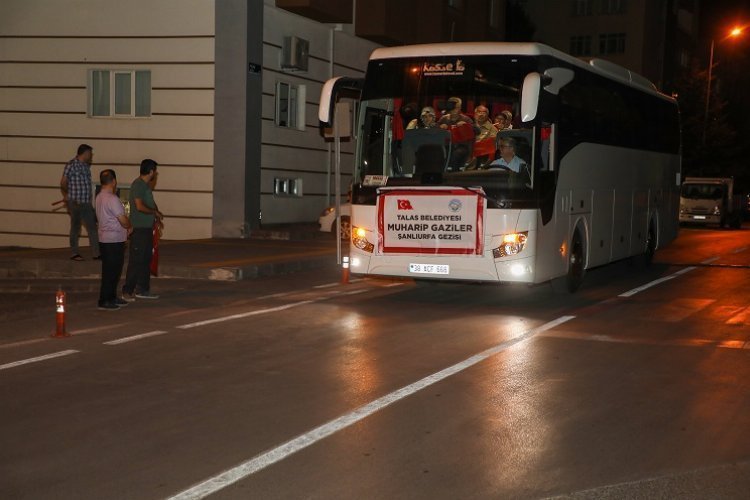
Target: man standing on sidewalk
114,228
143,212
76,190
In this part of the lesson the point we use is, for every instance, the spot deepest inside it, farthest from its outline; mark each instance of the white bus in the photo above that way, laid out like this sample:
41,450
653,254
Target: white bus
596,178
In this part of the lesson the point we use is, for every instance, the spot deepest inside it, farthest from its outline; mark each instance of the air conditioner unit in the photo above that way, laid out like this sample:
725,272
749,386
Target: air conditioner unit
294,53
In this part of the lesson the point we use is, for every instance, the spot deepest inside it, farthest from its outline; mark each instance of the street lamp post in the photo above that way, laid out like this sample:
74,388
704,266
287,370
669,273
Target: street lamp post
734,33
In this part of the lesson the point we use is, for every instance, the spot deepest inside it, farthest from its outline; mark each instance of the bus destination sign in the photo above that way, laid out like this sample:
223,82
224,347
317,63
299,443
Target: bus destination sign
430,221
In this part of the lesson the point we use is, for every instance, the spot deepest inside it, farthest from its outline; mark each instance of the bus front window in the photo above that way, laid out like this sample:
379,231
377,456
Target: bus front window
420,121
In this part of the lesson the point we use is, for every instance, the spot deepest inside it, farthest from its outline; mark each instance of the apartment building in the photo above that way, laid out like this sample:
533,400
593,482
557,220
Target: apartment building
656,38
223,94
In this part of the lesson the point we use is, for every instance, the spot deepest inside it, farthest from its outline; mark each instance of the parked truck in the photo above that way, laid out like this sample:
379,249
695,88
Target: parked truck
710,200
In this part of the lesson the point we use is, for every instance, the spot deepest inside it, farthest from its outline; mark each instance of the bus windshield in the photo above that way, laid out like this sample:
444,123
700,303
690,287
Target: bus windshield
448,120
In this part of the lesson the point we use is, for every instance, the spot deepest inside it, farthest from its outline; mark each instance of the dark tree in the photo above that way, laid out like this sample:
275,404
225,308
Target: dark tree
719,155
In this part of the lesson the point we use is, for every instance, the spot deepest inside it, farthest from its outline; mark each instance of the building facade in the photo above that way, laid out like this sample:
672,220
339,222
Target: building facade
223,94
655,38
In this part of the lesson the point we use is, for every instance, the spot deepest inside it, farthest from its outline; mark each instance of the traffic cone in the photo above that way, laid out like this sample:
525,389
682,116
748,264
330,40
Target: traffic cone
60,315
345,271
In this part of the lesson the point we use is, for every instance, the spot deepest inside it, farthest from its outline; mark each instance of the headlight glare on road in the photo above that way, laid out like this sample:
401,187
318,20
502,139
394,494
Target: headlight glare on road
359,239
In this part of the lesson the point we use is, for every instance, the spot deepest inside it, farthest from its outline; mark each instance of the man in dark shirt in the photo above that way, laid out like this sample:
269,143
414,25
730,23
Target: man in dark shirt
76,190
143,213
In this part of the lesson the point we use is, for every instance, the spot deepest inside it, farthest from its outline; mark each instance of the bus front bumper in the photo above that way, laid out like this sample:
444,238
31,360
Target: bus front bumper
468,268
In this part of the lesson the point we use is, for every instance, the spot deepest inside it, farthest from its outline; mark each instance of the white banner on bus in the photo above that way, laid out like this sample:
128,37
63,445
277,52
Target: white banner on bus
441,221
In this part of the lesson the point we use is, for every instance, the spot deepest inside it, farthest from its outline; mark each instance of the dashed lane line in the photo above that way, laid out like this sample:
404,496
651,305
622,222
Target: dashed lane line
641,288
686,270
38,358
720,344
135,337
245,315
260,462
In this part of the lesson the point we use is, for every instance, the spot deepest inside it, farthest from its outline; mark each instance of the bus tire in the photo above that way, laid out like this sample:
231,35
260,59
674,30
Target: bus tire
650,250
576,262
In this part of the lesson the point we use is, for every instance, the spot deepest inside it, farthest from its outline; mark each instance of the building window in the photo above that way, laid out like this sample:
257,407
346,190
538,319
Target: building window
614,6
283,186
580,45
290,105
120,93
612,43
583,7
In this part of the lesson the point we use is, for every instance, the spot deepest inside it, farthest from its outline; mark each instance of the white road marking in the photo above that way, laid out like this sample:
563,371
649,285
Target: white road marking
24,342
355,292
739,250
245,315
97,329
275,295
639,289
714,343
303,441
709,261
135,337
327,285
393,284
38,358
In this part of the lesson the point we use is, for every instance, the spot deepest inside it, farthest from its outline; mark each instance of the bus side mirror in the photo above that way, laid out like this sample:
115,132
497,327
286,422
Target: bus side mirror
530,96
332,91
557,78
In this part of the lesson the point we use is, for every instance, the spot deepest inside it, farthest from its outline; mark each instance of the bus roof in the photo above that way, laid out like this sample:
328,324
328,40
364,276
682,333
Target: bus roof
604,68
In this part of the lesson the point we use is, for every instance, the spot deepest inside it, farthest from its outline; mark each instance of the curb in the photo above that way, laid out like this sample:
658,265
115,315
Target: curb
55,268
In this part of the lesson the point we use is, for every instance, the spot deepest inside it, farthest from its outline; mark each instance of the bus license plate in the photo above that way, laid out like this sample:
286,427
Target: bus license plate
429,268
699,217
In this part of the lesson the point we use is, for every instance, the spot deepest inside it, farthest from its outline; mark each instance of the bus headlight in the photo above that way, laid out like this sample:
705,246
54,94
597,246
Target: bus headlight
359,239
512,244
717,210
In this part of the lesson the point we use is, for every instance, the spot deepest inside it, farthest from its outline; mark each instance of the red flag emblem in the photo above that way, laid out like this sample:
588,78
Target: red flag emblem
404,205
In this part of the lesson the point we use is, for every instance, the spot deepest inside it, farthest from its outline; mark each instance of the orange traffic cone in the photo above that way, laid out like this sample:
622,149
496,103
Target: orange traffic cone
345,271
60,315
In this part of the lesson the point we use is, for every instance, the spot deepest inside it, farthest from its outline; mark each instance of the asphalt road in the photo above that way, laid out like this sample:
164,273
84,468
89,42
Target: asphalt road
638,386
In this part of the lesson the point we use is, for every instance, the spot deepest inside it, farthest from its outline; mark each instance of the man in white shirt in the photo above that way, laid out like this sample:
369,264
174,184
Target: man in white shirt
114,228
508,158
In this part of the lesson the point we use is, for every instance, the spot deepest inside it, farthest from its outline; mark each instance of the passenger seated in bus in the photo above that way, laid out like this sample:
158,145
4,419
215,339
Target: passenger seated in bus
453,115
503,120
426,119
508,159
484,146
485,128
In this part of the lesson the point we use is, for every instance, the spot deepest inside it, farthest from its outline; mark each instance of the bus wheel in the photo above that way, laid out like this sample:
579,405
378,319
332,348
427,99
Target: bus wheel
576,262
648,254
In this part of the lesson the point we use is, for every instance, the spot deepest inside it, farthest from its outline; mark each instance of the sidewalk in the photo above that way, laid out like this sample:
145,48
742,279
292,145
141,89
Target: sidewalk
272,252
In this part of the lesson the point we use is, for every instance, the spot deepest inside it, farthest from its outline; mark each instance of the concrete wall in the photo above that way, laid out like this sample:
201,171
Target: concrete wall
303,153
46,51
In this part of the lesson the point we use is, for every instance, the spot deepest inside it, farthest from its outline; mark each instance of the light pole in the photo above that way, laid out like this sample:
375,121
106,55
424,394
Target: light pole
737,31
